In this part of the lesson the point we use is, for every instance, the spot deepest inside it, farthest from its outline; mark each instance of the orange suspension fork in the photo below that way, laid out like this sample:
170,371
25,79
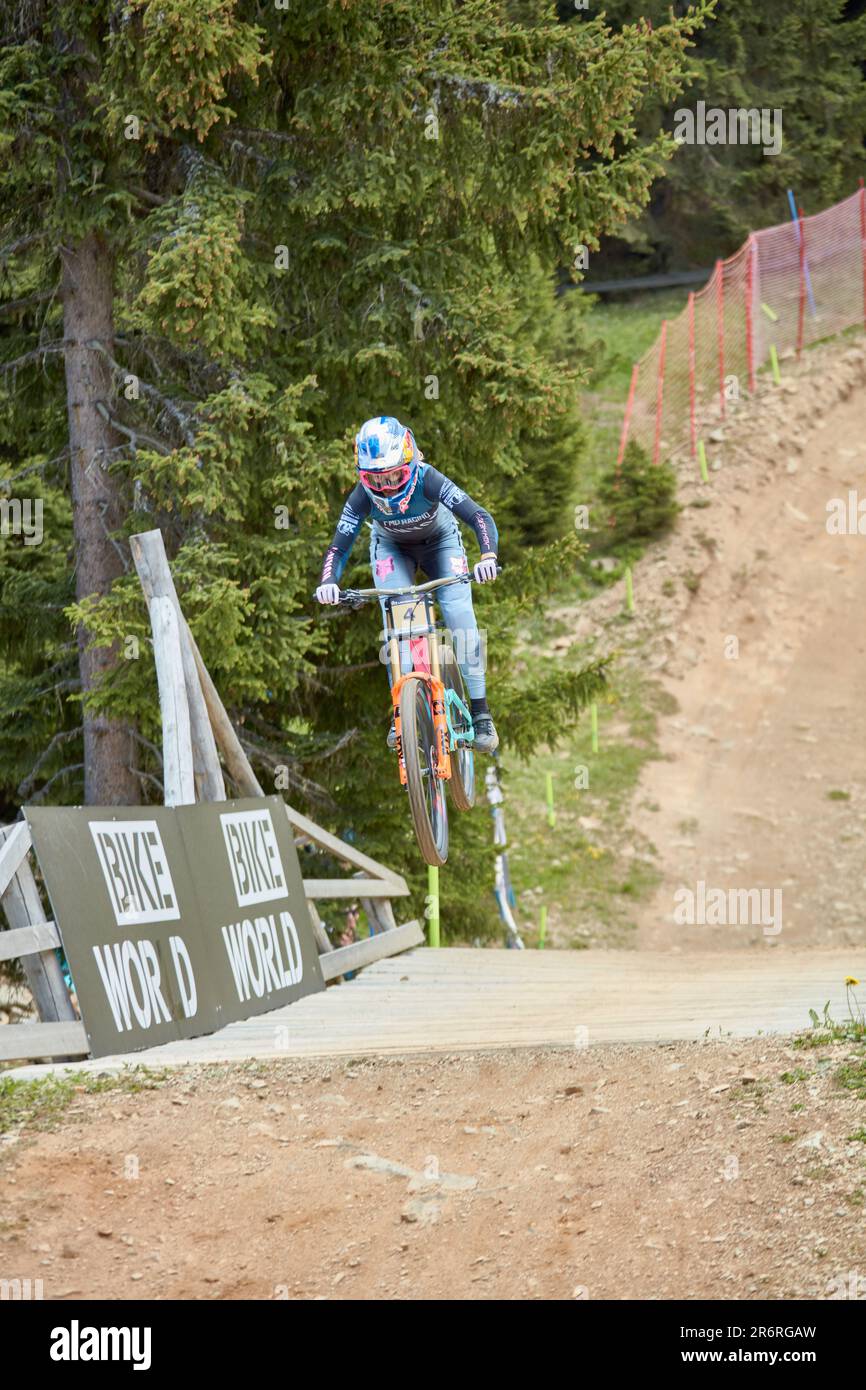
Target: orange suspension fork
440,722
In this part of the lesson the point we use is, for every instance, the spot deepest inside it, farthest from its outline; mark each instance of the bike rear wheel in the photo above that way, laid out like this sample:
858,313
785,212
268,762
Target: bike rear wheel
462,759
426,790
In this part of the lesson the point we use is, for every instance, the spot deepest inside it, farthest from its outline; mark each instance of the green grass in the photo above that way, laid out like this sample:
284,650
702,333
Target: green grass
852,1075
807,1041
825,1031
587,882
621,330
585,877
42,1102
791,1077
749,1093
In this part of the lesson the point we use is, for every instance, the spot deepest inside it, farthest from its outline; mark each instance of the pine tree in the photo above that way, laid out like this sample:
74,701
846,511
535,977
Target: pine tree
231,232
800,58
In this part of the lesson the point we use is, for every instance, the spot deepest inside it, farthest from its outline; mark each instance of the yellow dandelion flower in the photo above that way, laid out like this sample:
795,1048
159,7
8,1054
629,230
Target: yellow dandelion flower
849,980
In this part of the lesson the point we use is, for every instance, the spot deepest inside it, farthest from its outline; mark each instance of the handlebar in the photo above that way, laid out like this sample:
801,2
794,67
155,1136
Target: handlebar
363,595
356,597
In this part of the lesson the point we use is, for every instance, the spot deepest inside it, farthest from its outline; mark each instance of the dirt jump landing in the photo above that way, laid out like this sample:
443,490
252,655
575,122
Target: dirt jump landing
457,999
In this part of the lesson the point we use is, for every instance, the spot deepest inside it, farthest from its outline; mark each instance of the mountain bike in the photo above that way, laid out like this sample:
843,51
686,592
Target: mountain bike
432,718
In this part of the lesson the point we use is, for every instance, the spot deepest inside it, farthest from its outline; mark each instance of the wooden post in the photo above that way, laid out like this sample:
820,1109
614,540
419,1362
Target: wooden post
372,908
23,907
13,851
178,780
319,932
386,914
151,562
212,725
236,760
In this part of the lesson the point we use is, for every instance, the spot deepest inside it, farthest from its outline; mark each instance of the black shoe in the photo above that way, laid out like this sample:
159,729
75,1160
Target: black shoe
392,735
486,737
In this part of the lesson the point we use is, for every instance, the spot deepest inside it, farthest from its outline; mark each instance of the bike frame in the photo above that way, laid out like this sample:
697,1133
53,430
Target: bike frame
400,607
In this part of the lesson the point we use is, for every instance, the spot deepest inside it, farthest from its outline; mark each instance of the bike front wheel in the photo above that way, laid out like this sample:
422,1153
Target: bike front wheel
426,790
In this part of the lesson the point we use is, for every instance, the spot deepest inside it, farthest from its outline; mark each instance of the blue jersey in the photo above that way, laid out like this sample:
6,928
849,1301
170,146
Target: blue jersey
419,518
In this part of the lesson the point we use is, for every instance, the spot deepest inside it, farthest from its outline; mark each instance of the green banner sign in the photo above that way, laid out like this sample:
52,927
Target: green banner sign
176,920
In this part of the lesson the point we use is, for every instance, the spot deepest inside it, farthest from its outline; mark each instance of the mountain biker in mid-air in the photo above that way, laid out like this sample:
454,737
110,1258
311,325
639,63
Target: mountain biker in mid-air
413,509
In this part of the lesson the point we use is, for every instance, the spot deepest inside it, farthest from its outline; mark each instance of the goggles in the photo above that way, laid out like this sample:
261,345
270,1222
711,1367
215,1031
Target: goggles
386,481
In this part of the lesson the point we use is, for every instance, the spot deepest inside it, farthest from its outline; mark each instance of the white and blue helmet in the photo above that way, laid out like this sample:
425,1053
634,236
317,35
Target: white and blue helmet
388,460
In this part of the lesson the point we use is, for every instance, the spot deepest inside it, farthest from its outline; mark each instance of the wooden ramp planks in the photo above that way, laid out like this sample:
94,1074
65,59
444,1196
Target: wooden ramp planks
452,1000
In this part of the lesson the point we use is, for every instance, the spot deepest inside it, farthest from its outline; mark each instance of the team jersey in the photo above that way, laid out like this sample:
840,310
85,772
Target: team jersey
423,517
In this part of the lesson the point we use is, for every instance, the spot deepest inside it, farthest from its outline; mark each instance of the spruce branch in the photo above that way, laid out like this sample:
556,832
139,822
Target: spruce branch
48,349
155,199
21,244
29,301
133,435
148,777
25,786
272,761
40,468
184,421
64,772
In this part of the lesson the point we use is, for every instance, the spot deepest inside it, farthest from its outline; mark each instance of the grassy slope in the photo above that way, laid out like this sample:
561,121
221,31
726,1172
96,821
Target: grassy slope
585,870
621,330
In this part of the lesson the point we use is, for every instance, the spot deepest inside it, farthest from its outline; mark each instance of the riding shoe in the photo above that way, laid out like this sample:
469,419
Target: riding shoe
486,737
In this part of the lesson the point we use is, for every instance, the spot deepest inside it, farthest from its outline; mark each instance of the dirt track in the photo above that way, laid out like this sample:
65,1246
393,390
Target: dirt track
765,740
681,1171
753,619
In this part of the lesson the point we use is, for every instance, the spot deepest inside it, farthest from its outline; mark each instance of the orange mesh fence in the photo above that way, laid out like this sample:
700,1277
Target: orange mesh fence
787,287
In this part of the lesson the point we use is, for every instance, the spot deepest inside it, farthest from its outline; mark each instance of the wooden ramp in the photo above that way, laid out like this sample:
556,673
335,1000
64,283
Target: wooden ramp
451,1000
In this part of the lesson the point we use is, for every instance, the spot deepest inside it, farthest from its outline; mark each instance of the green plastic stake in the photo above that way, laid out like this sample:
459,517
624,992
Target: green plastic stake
774,363
542,928
433,903
771,313
551,814
702,460
593,724
629,590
